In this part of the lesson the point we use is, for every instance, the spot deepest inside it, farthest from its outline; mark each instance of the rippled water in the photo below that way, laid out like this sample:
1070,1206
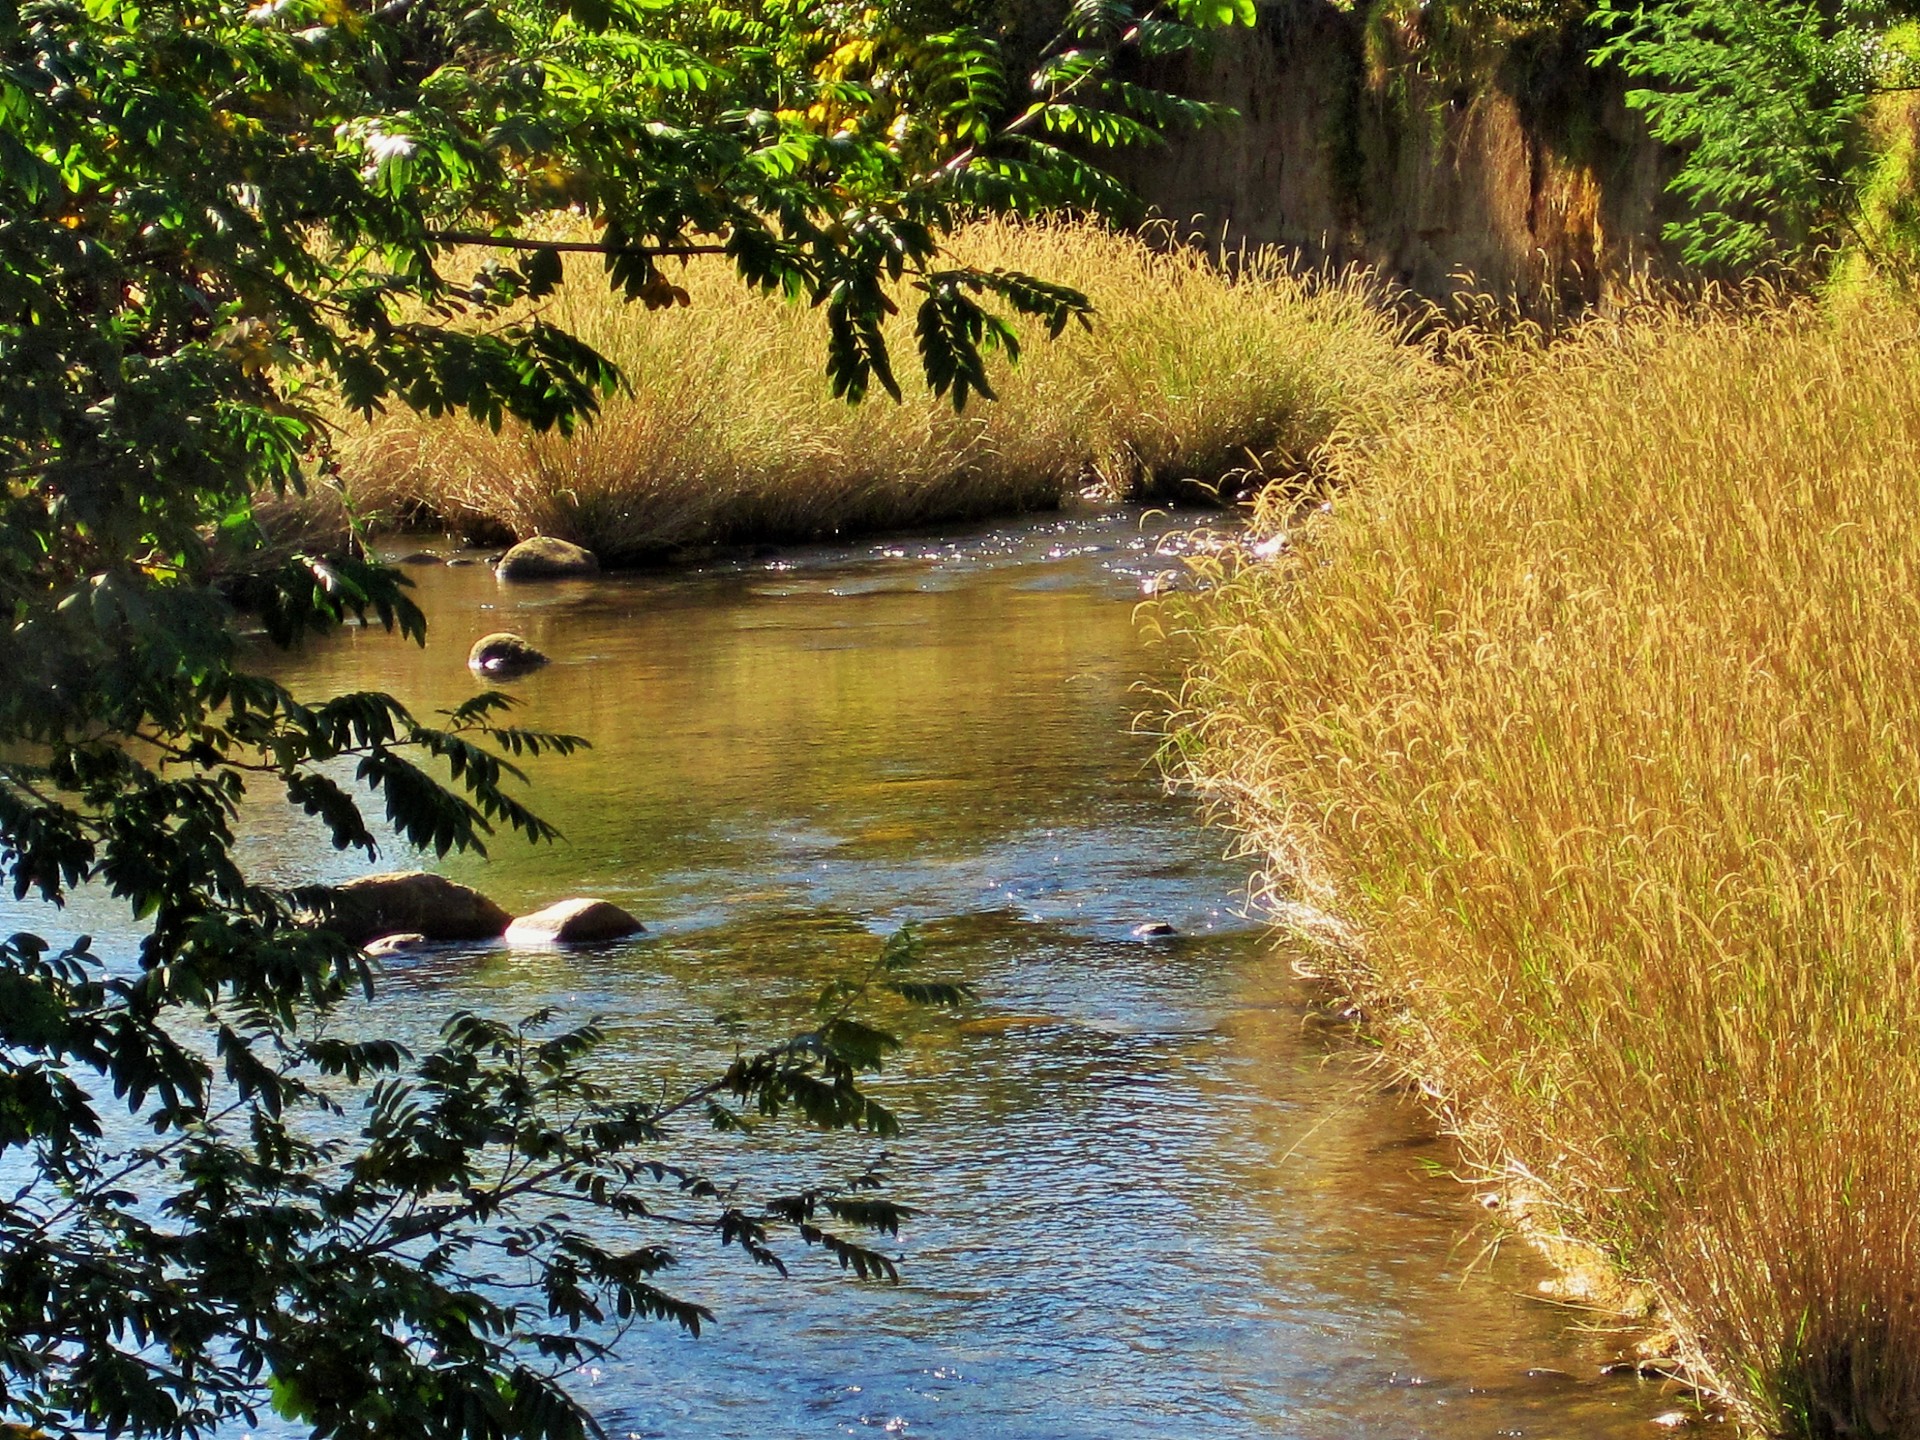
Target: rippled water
1160,1198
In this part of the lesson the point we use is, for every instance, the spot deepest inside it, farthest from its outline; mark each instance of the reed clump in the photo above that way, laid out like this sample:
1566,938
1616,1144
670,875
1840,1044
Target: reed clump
1193,371
1591,714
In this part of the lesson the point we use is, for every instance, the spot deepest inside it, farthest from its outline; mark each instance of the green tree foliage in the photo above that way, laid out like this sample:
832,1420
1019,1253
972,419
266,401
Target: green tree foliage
215,219
1767,98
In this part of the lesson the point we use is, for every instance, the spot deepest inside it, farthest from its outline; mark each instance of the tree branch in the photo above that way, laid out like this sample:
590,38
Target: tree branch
566,247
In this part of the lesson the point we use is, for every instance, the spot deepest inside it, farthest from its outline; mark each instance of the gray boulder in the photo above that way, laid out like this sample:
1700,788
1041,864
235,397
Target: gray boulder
573,922
503,653
411,902
545,558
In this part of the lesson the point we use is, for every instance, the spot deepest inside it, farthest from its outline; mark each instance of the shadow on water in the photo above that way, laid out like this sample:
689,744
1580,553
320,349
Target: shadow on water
1158,1201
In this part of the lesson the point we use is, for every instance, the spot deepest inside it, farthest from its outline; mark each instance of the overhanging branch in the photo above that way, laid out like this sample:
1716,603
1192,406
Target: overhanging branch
568,247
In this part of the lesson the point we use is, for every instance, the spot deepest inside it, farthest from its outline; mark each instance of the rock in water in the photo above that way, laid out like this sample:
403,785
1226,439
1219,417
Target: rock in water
545,558
411,902
1152,930
503,653
573,922
394,944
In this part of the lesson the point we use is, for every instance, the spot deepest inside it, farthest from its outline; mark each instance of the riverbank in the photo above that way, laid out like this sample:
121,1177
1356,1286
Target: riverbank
1590,713
1193,377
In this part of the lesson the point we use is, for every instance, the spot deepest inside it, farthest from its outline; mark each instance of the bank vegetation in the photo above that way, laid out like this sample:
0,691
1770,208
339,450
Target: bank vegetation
1192,374
1589,718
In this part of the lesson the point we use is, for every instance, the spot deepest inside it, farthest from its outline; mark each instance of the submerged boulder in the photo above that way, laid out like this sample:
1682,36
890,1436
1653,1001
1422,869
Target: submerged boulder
573,922
411,902
546,558
503,653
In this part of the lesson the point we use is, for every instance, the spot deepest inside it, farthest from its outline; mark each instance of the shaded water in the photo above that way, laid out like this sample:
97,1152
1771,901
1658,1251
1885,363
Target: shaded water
1160,1200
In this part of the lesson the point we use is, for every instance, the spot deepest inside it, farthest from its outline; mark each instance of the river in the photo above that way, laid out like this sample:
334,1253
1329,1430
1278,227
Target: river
1161,1198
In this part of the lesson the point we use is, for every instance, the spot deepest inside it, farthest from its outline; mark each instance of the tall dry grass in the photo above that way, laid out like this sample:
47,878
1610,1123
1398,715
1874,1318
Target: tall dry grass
1593,714
1192,372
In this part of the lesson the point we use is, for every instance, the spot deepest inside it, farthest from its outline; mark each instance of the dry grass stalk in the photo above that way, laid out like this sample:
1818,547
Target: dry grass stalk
1594,710
1189,374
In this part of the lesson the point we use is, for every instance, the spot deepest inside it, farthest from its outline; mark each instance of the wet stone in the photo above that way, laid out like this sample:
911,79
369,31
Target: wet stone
395,944
412,902
578,921
503,653
546,558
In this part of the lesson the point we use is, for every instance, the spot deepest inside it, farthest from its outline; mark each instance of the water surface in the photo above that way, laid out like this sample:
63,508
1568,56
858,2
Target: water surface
1161,1197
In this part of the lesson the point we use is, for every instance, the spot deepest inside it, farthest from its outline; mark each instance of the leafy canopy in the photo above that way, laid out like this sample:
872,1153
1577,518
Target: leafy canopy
1767,98
215,221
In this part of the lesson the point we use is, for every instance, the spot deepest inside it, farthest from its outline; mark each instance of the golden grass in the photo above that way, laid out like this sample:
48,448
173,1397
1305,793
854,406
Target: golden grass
1189,374
1593,714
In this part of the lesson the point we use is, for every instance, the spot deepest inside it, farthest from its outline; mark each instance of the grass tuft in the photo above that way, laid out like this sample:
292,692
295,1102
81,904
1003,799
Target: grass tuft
1592,712
1191,374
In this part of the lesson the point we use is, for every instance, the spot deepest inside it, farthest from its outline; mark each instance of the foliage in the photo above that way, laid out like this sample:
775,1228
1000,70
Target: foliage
1458,42
1886,220
1769,102
366,1286
1585,725
1767,97
1460,27
215,221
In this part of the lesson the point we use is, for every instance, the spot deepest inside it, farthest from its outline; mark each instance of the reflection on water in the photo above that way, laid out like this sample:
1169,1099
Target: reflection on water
1158,1201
